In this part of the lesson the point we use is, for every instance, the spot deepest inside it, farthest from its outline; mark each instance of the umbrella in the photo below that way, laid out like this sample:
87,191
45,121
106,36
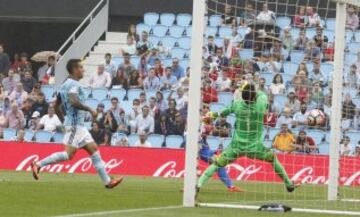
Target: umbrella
43,56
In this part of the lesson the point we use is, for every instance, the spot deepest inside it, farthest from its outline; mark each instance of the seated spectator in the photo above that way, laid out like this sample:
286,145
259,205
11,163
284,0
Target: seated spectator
154,111
223,83
319,38
181,99
285,118
20,136
3,95
345,147
185,81
28,81
266,15
24,64
278,51
177,70
352,78
123,124
161,102
3,122
302,41
235,37
300,18
284,141
162,125
40,104
126,67
7,105
10,81
357,63
134,80
352,19
228,16
27,110
227,48
143,45
210,45
220,59
122,142
357,150
36,91
270,64
110,66
115,108
305,144
312,52
317,97
50,122
248,15
348,108
313,18
109,122
19,95
153,56
143,142
34,122
4,62
130,47
262,85
144,122
132,33
292,102
142,99
15,117
171,111
300,118
151,82
97,133
47,70
270,117
119,81
287,40
222,128
100,112
209,94
159,69
328,51
277,86
101,78
168,81
177,125
143,67
107,138
317,76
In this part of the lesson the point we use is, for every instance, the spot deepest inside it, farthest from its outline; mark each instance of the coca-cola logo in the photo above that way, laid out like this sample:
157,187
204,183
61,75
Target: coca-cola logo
81,165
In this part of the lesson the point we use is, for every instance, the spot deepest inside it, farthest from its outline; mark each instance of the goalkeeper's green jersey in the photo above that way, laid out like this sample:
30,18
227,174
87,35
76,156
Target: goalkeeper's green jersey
249,122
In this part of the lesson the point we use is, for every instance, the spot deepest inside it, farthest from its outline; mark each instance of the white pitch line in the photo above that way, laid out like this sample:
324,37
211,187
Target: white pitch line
103,213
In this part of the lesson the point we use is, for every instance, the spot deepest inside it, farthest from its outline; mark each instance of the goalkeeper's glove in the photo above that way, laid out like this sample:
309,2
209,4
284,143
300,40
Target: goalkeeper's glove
213,115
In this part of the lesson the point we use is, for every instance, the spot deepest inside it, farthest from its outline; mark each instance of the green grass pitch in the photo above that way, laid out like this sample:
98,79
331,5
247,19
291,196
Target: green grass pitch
64,194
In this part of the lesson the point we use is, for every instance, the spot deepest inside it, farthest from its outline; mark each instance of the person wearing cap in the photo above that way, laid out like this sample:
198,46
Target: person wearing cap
50,122
143,142
35,121
101,78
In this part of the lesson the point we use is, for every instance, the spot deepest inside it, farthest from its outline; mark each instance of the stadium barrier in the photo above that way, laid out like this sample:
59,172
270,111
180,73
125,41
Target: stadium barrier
169,163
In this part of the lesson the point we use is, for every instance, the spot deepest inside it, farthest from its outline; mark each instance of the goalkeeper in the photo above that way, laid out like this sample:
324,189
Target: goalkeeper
247,139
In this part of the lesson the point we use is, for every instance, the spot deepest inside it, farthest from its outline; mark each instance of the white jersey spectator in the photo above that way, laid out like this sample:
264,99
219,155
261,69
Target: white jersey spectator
130,47
101,78
266,15
313,18
110,66
50,121
223,83
142,142
181,99
345,147
285,118
301,116
144,122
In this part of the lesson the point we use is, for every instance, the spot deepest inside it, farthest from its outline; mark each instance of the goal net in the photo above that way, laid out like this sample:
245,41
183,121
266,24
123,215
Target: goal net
292,52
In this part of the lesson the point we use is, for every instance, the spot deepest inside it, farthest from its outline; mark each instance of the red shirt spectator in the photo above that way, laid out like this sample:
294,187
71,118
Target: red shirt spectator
270,119
209,94
329,52
302,94
305,143
159,69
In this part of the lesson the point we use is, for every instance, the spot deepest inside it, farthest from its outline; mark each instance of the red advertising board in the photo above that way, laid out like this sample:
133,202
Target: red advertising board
170,163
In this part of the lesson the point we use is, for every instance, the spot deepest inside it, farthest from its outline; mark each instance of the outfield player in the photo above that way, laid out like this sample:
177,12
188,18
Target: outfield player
247,139
71,102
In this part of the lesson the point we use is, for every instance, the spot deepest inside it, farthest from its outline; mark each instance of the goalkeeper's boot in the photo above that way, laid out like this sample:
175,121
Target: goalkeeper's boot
235,189
35,170
293,186
197,190
114,182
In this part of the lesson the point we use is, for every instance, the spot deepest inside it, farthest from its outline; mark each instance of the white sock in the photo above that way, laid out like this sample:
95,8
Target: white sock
100,167
54,158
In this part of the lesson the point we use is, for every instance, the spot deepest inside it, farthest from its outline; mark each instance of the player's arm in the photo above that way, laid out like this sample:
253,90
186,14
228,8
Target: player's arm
75,102
228,110
261,102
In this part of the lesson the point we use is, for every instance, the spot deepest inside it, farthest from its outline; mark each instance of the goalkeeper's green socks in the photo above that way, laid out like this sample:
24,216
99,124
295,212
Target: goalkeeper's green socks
279,169
207,174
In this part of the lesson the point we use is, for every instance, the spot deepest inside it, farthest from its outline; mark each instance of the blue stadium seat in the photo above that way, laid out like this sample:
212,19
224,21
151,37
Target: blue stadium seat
225,97
183,19
92,103
330,23
280,100
87,91
357,36
354,47
246,54
324,149
127,106
231,119
58,137
184,42
117,60
133,94
120,93
150,93
174,141
226,142
290,68
216,106
159,30
43,136
350,58
167,19
151,18
310,33
156,140
154,40
168,41
48,91
99,93
352,91
354,137
210,30
215,20
107,104
188,31
297,56
176,31
179,53
295,32
225,31
29,135
88,125
213,142
330,34
9,134
167,62
184,63
349,35
356,101
272,133
135,60
141,27
287,78
219,42
268,78
317,135
132,139
310,66
283,22
242,30
326,68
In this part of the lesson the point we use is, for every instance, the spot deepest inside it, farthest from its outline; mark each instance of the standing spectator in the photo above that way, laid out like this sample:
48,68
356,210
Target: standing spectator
168,81
352,19
160,102
28,81
115,108
143,142
4,62
223,83
109,122
177,70
285,118
40,104
313,18
3,122
97,133
284,141
134,80
292,102
10,81
50,122
345,147
277,86
119,81
110,66
24,63
209,94
301,41
300,118
222,128
126,67
132,33
320,38
300,18
177,125
47,70
101,78
305,144
151,82
15,117
18,95
162,125
129,48
266,15
143,45
144,122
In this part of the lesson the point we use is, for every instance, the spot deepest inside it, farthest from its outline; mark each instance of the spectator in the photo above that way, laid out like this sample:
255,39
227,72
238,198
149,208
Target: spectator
16,62
228,16
36,91
151,83
34,121
110,66
50,122
222,128
248,15
357,150
345,147
10,81
220,59
352,19
177,70
160,102
352,78
97,133
302,41
278,52
40,104
292,102
177,125
153,55
143,142
27,110
132,33
7,105
119,81
15,117
123,124
312,52
24,64
348,108
143,67
270,65
122,142
266,15
107,138
159,69
101,78
28,81
3,95
262,85
143,45
305,144
284,141
209,94
3,121
319,38
168,81
100,112
210,45
277,86
223,83
109,122
144,122
300,18
181,99
134,80
135,112
47,70
4,62
270,117
317,95
328,51
285,118
20,136
313,18
154,111
115,108
19,95
249,39
171,111
162,125
185,81
126,67
129,48
287,40
316,76
142,99
300,118
235,37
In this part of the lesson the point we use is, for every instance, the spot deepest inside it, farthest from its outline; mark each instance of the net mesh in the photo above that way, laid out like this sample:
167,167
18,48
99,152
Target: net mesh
286,49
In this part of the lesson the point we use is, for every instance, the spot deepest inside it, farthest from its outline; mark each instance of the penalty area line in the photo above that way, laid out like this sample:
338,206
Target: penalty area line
120,211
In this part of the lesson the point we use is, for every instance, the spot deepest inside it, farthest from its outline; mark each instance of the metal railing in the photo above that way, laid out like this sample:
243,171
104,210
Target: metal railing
83,38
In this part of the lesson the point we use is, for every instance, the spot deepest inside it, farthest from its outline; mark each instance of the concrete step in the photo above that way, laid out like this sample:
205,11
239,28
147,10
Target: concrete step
107,49
116,36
